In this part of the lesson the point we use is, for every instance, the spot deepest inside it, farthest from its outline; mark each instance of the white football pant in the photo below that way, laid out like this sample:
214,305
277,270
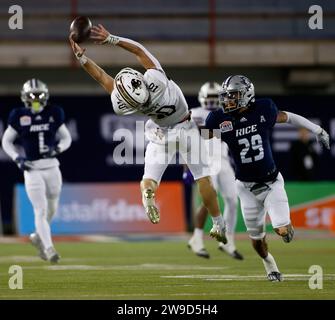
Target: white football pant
43,188
183,138
255,207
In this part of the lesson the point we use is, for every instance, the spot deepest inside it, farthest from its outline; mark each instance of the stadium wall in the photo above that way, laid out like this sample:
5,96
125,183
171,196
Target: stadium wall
93,124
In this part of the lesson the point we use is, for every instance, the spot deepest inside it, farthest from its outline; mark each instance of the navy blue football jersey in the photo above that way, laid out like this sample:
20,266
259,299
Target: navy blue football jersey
37,131
247,135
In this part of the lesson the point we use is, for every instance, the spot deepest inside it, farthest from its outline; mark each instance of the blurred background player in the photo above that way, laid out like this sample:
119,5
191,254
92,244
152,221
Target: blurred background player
223,177
245,124
158,97
41,132
304,159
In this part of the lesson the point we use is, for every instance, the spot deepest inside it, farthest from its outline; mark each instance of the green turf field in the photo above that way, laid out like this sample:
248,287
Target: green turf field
166,270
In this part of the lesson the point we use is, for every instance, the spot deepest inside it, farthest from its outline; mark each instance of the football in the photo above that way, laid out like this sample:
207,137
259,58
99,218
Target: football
81,29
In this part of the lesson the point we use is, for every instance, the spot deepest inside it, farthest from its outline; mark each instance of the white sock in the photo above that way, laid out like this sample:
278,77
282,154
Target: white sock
198,233
43,228
270,264
218,220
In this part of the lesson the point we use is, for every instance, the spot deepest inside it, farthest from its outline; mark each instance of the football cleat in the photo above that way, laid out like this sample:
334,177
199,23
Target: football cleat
218,232
234,254
197,246
289,235
150,207
37,243
52,255
275,276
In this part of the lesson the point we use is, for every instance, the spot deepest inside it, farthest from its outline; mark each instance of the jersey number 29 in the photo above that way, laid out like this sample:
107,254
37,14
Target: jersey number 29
256,144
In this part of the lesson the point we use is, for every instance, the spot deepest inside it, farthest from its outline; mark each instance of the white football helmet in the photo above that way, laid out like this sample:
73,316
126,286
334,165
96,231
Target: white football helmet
209,95
237,92
35,95
130,85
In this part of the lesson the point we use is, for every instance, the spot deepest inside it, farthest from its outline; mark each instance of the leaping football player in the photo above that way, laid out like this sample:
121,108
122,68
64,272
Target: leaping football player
41,132
245,124
155,95
223,177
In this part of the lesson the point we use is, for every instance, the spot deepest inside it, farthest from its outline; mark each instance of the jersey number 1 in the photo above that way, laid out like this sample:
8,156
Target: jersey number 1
256,144
41,145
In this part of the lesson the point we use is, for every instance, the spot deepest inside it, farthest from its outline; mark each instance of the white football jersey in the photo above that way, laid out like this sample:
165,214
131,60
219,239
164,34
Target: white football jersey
167,105
217,154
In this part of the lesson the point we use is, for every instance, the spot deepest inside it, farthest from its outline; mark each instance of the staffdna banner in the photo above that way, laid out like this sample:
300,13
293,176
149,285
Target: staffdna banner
106,209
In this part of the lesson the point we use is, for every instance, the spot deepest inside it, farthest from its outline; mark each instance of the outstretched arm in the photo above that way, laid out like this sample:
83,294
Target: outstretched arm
97,73
147,60
299,121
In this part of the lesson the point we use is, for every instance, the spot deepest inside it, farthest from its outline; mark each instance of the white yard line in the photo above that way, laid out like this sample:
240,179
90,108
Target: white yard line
31,259
227,277
139,267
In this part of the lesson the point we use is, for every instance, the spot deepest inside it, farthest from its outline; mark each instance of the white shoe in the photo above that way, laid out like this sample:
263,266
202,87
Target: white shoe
231,251
151,210
197,246
275,276
52,255
37,243
218,232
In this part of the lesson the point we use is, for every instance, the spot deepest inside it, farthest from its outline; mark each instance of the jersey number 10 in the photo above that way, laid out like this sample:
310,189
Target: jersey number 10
256,144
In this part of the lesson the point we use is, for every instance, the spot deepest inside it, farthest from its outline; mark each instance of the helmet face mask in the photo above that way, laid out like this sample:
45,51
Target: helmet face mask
209,95
237,92
35,95
130,86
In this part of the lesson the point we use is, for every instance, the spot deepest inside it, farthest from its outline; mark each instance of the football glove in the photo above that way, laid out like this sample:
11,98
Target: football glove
23,164
323,138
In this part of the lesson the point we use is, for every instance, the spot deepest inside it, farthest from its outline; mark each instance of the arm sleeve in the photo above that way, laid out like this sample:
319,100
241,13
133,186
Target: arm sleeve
8,139
152,58
300,121
65,139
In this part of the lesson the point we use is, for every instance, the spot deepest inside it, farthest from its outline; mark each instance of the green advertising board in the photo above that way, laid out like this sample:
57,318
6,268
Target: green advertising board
299,193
